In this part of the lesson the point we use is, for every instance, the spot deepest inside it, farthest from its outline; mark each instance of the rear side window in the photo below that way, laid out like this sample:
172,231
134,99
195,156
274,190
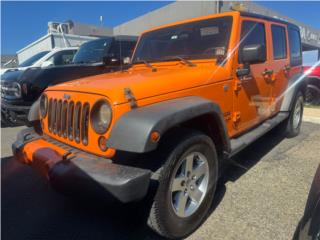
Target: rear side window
295,47
251,33
279,42
121,49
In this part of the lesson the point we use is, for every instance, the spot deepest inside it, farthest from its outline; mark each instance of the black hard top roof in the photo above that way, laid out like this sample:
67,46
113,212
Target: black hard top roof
272,19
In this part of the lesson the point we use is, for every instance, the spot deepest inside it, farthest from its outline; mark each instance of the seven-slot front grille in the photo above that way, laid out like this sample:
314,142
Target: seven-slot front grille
69,120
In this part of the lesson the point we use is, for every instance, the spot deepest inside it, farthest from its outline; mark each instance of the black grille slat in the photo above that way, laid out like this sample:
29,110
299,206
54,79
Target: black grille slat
50,116
64,119
85,123
70,120
58,117
77,119
54,120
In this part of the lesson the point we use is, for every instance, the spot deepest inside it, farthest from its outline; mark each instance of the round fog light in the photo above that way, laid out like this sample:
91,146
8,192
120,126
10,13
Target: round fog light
102,141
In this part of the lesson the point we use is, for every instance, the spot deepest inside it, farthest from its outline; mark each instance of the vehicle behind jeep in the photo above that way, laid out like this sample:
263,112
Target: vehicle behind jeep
312,73
41,59
198,92
20,89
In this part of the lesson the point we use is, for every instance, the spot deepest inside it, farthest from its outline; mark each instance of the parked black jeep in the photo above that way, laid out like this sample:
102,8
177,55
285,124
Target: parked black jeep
20,89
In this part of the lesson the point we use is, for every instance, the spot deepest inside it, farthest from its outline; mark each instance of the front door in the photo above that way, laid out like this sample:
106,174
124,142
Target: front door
253,92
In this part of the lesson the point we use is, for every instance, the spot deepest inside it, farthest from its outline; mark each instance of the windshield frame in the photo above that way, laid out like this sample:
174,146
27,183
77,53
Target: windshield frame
168,58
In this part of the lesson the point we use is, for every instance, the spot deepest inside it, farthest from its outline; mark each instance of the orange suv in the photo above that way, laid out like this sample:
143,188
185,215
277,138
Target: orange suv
198,92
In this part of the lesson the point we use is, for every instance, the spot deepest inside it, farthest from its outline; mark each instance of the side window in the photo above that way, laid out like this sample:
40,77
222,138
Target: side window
62,58
295,47
126,49
279,42
129,47
251,33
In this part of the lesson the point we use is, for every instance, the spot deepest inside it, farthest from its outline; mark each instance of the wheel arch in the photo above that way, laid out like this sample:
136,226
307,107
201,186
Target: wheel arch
296,83
132,131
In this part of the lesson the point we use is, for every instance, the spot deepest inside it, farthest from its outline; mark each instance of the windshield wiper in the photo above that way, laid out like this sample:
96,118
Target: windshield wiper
147,64
185,61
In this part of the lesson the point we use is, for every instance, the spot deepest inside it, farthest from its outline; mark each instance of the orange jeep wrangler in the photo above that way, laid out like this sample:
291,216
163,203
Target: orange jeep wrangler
198,92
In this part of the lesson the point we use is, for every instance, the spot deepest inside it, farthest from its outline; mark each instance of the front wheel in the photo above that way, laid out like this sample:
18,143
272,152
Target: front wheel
187,183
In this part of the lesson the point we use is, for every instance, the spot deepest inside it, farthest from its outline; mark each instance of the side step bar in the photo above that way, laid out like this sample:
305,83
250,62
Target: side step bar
239,143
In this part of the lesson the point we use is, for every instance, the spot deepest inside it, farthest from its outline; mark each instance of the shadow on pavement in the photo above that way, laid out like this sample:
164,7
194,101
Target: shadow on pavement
32,210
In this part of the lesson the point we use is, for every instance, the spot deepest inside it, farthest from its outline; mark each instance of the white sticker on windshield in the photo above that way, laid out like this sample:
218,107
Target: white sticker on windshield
209,31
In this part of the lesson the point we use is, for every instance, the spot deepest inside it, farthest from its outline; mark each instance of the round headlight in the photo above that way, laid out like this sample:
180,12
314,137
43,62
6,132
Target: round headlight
16,88
43,105
100,116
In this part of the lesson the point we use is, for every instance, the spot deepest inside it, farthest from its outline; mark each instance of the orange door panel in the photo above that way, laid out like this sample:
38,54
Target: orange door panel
253,92
280,63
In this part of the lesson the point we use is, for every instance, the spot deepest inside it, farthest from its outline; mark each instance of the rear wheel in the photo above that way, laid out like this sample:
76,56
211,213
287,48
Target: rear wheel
293,123
187,183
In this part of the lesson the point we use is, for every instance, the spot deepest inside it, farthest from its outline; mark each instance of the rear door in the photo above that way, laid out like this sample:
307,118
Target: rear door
280,64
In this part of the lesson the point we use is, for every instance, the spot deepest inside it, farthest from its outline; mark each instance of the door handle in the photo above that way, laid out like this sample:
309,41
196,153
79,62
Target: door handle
286,68
267,72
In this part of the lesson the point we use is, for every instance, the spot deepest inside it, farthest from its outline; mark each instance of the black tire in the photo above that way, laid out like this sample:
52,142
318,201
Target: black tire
292,129
162,217
313,95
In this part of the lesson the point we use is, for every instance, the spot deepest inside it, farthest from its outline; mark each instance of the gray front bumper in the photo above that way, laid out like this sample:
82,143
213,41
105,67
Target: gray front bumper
86,173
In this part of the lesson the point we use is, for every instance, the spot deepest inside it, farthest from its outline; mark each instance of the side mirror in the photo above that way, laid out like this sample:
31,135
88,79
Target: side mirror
46,64
253,53
111,61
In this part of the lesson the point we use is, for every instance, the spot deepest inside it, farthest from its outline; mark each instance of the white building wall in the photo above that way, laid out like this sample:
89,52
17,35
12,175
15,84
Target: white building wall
42,44
70,40
50,41
173,12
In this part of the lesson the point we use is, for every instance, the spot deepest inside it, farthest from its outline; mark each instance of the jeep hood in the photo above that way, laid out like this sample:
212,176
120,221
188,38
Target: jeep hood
143,83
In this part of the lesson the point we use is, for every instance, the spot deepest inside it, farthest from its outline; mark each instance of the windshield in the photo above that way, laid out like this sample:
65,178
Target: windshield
93,51
33,59
195,40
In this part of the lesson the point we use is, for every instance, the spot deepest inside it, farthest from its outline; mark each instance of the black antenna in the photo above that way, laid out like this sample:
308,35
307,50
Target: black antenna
120,52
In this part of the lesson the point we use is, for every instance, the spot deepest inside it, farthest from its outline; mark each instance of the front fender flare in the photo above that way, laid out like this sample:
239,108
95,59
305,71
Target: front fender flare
132,130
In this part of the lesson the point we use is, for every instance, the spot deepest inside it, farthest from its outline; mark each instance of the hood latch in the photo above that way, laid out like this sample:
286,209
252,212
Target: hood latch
130,97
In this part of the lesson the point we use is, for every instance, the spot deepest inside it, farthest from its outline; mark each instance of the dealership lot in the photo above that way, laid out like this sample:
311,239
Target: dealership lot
261,196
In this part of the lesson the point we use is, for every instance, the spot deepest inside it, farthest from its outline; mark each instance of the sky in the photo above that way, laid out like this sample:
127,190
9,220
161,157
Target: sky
24,22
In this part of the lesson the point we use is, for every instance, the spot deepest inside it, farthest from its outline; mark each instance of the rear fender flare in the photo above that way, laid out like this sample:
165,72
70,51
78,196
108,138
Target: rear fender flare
296,83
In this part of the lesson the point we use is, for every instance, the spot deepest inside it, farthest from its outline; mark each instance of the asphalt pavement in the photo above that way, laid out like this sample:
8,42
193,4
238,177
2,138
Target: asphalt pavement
261,195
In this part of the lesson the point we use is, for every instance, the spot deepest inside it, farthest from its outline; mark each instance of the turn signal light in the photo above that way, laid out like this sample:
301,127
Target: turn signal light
155,136
102,141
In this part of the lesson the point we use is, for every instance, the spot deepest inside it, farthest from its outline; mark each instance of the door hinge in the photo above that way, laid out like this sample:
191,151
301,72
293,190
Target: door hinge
237,86
130,97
